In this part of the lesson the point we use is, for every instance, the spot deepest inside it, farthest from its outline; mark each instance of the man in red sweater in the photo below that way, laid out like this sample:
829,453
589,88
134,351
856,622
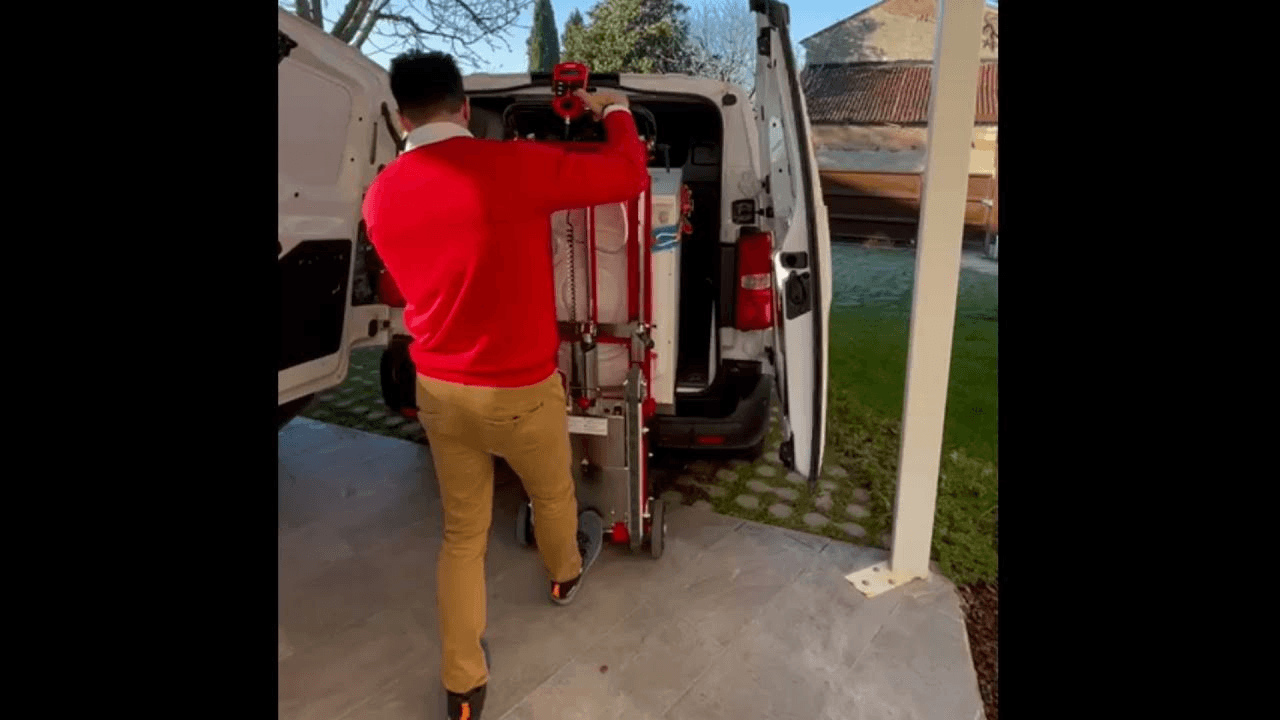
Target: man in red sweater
463,225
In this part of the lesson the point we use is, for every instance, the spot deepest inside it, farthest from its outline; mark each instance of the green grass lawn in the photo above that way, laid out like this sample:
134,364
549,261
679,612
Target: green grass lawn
868,357
854,497
870,325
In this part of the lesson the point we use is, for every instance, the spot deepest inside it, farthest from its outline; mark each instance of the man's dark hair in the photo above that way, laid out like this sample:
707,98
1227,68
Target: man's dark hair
426,84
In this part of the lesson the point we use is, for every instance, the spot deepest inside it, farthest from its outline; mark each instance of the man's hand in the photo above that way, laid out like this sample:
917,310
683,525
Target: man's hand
601,99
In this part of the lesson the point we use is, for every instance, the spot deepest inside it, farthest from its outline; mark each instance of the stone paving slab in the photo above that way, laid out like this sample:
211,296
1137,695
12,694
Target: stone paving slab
737,620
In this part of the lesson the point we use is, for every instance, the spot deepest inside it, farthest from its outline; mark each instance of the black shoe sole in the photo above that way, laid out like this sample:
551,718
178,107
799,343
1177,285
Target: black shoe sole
587,562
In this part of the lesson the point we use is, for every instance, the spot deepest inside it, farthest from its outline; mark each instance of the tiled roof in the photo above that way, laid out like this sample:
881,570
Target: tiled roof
889,92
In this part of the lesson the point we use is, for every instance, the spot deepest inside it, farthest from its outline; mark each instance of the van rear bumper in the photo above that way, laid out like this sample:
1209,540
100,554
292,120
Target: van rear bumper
743,430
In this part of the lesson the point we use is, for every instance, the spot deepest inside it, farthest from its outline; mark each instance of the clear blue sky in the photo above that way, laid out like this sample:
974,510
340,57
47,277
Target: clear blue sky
807,18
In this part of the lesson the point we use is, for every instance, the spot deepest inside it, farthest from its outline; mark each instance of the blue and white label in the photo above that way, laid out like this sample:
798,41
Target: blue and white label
666,237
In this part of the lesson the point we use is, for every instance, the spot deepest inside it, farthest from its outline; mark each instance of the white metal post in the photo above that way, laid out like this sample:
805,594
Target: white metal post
952,103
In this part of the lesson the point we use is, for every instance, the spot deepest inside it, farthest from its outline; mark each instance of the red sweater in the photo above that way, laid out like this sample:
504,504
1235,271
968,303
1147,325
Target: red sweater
463,226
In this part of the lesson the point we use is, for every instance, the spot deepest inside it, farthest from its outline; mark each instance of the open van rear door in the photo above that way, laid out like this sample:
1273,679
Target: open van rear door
334,134
797,217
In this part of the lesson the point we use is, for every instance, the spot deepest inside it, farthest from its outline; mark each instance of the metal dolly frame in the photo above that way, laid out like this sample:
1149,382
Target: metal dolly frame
609,426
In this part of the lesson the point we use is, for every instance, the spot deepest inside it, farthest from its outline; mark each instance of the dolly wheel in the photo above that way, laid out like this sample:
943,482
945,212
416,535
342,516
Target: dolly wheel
524,525
657,528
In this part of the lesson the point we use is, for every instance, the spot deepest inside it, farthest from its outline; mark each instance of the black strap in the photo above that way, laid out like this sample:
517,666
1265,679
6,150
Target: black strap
391,128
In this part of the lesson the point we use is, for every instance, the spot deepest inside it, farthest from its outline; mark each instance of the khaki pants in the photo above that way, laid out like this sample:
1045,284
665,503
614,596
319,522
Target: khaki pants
467,426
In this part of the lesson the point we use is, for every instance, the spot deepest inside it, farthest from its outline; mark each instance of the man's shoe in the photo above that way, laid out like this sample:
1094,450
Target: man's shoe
468,706
590,541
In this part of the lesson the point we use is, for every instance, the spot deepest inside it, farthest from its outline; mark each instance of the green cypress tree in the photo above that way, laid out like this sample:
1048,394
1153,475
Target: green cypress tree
544,42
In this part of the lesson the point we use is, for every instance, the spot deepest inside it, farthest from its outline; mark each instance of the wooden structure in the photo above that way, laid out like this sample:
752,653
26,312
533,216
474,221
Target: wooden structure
886,206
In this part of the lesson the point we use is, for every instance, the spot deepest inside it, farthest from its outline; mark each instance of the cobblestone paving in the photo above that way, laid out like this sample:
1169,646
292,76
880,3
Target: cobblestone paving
760,489
764,491
357,402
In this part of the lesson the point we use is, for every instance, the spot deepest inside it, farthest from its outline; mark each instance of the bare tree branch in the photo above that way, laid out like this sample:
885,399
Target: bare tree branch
417,31
724,39
340,25
463,27
413,25
310,12
479,23
370,20
347,32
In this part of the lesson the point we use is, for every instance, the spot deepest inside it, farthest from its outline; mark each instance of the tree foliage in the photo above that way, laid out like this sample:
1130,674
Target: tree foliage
458,26
544,41
637,36
574,24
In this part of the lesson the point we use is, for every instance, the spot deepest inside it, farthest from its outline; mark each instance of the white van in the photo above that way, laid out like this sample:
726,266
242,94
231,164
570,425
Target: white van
335,133
754,292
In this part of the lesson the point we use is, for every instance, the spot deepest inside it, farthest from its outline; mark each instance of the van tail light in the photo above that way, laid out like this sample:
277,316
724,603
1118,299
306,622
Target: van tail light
754,306
388,293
